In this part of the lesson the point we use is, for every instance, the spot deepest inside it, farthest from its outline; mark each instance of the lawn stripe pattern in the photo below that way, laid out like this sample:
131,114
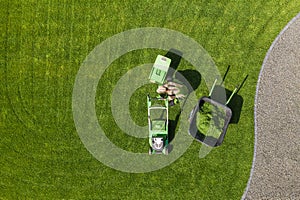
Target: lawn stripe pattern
43,45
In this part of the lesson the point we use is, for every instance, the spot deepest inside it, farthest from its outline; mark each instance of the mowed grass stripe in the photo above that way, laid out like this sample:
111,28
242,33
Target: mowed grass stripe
26,62
13,68
33,144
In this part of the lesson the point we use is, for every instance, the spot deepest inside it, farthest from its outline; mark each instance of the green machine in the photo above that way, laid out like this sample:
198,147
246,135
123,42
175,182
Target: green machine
158,109
158,125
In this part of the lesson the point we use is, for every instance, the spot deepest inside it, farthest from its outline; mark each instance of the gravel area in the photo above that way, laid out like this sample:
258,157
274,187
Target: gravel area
276,167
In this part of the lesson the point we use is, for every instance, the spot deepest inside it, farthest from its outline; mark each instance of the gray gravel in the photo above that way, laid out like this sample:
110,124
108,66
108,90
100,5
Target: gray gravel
276,168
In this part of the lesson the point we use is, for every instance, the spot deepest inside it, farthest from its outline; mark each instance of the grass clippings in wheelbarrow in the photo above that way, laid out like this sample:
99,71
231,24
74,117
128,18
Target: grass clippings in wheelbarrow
210,120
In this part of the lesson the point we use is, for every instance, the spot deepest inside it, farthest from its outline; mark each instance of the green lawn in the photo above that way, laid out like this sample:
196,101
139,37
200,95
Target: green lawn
43,44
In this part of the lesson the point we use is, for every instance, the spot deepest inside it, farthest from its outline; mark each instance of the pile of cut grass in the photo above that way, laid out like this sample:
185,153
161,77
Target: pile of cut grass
210,120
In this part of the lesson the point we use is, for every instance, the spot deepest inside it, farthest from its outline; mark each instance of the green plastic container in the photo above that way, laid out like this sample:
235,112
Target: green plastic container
160,69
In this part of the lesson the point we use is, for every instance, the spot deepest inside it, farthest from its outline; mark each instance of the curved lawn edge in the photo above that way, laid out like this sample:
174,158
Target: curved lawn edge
256,99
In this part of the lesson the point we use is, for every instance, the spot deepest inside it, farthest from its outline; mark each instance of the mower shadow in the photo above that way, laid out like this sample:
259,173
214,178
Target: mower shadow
172,127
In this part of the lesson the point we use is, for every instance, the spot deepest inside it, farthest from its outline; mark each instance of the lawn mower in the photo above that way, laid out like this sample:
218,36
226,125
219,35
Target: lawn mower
158,125
158,109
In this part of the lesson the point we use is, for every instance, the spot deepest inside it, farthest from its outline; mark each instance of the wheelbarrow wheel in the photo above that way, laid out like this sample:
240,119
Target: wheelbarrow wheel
150,151
167,151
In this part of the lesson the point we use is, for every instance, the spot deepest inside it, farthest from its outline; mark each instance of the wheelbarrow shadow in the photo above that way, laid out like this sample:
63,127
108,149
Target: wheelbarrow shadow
235,104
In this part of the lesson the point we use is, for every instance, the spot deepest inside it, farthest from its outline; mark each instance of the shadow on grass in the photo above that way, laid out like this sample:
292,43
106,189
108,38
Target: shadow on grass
172,127
175,56
193,78
209,140
235,104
